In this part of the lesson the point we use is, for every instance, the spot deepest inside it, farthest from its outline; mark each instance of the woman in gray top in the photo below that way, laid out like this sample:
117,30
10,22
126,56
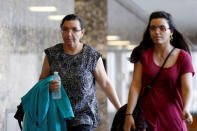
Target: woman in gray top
79,65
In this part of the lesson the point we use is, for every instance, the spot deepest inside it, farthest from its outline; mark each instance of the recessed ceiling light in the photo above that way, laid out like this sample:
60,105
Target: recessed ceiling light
56,17
113,37
42,8
118,43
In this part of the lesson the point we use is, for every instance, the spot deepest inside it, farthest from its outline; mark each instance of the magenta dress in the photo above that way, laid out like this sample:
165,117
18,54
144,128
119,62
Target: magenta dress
163,105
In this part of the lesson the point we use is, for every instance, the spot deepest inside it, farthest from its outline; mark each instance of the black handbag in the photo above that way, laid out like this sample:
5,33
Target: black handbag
19,115
118,122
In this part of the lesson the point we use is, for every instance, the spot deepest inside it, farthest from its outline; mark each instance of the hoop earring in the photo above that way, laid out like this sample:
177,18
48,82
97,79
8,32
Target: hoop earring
171,38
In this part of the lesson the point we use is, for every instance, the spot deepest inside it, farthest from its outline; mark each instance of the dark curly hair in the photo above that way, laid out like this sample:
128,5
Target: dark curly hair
72,17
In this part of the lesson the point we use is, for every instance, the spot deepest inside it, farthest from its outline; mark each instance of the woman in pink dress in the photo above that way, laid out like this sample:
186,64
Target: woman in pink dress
166,107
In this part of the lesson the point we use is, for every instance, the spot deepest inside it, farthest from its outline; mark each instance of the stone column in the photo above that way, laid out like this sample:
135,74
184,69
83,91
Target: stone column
94,14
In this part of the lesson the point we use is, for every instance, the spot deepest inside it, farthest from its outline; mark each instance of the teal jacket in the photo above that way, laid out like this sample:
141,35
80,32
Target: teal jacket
42,113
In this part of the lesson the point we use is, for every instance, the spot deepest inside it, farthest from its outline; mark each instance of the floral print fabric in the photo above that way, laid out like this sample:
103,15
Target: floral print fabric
76,72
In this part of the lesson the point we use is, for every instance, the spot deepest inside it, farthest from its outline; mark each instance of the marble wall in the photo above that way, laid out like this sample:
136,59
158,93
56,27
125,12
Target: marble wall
23,37
94,13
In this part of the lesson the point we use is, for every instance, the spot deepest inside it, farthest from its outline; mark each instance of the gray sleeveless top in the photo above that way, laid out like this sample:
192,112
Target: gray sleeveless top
76,72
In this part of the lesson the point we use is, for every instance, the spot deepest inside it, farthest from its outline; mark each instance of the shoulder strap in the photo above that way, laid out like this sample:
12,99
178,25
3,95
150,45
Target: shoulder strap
161,68
148,87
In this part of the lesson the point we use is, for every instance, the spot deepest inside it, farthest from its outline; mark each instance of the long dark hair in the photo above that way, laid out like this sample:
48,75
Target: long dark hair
178,40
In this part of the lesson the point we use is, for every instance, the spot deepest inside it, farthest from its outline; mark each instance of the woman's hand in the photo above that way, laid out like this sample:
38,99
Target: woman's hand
186,115
54,86
129,123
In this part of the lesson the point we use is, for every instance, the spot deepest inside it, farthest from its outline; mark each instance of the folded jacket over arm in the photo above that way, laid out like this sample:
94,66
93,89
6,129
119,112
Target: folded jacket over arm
42,113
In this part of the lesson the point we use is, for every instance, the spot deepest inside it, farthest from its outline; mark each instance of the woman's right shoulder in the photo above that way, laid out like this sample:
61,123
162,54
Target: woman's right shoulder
147,53
55,47
54,50
148,50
